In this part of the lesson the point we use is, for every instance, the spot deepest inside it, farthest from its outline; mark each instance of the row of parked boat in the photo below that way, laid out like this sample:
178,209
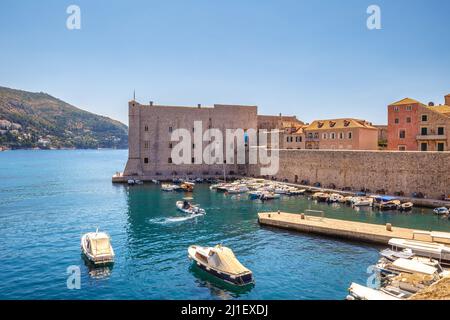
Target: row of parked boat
258,189
404,269
361,200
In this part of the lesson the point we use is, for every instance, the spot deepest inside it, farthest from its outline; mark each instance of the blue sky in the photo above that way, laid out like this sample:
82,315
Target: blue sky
314,59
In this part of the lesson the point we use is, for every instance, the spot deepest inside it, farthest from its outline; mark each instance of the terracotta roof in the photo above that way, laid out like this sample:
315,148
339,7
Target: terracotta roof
444,109
339,124
405,101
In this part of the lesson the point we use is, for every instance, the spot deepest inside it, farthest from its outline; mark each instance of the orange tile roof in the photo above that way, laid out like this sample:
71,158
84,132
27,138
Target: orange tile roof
444,109
405,101
339,124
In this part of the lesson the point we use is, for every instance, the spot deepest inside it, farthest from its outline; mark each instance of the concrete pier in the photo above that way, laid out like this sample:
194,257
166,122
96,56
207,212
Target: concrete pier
350,230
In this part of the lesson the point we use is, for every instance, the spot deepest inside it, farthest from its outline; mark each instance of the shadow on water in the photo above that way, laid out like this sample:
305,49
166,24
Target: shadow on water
218,288
102,272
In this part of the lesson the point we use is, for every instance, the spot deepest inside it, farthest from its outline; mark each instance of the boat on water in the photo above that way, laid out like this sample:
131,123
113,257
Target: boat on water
296,192
432,250
347,200
187,186
155,181
269,196
221,262
321,196
134,181
237,189
407,206
187,207
441,211
389,205
335,197
392,255
362,202
402,265
255,194
170,187
96,246
359,292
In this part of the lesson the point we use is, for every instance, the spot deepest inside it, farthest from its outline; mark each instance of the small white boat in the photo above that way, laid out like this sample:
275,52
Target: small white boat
155,181
170,187
321,196
335,197
360,292
96,246
362,202
189,208
437,251
402,265
407,206
296,192
441,211
221,262
237,189
255,194
131,182
269,196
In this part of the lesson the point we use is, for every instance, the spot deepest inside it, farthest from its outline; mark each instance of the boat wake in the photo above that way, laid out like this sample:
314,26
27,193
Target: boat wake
174,219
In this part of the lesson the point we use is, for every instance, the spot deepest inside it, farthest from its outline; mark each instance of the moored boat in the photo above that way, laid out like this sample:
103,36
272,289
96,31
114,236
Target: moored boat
321,196
335,197
362,202
255,194
441,211
359,292
96,246
269,196
432,250
169,187
187,186
407,206
221,262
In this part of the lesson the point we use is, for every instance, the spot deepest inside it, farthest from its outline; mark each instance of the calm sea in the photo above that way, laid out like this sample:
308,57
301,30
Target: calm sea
48,199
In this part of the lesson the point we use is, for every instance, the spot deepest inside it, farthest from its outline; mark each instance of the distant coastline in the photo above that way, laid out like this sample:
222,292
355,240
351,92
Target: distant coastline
37,120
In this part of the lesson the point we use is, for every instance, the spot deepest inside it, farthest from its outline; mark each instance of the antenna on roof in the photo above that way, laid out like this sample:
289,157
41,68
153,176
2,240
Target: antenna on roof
134,95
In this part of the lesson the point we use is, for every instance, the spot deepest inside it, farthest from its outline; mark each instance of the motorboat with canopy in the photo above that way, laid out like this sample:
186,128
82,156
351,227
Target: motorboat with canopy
221,262
96,246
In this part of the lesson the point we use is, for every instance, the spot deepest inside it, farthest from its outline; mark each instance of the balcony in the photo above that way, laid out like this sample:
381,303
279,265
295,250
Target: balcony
431,137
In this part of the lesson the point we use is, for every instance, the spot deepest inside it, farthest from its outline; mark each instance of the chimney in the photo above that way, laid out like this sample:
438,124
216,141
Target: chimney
151,103
447,100
199,105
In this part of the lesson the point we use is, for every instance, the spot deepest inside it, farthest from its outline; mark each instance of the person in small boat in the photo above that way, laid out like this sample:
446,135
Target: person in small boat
186,204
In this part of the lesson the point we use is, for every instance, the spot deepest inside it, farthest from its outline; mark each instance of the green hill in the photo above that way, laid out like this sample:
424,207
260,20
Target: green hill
31,120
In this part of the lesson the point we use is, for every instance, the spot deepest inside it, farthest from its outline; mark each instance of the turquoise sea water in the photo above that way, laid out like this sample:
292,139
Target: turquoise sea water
48,199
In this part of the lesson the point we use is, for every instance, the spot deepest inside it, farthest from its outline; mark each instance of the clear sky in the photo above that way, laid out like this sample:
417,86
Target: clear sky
312,58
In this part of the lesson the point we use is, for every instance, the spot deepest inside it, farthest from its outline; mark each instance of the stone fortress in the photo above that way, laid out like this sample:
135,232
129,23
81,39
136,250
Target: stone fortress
339,161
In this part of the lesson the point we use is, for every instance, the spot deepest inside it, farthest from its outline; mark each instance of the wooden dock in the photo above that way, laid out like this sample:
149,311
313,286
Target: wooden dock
350,230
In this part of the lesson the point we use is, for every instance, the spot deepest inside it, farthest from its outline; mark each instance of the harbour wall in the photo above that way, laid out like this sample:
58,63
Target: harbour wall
393,171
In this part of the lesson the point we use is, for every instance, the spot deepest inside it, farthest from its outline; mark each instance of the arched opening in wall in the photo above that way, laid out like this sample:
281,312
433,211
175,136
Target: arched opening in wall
296,179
